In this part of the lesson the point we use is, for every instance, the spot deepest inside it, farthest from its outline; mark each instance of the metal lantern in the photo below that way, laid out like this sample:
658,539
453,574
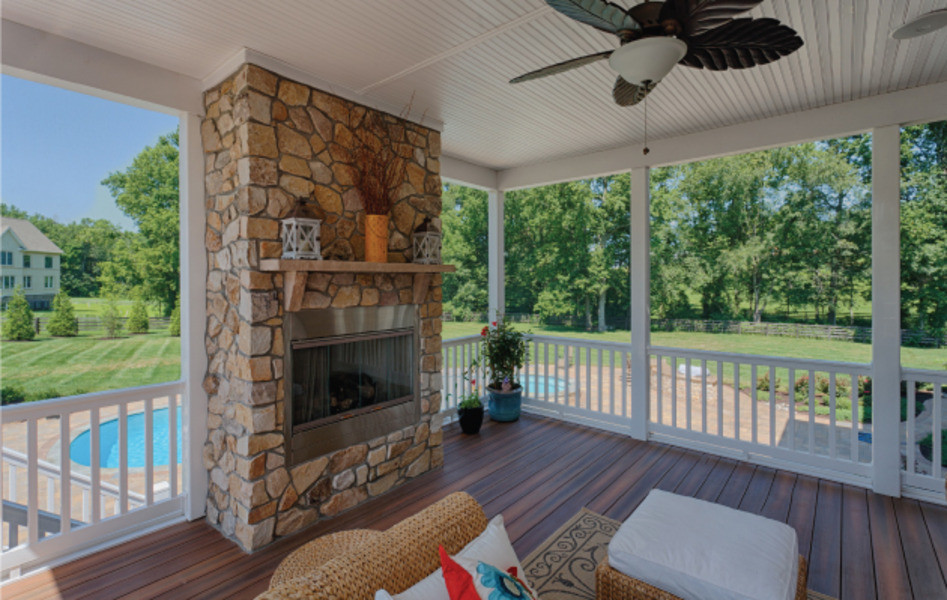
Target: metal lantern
300,234
427,243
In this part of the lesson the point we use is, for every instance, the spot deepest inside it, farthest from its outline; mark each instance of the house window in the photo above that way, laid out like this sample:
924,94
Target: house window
6,258
49,262
27,282
26,261
48,281
8,281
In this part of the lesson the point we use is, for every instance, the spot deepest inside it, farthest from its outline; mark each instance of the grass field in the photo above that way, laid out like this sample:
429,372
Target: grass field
918,358
54,367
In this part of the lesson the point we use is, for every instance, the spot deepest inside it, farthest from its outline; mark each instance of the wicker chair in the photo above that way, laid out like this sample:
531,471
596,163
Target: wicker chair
613,585
352,565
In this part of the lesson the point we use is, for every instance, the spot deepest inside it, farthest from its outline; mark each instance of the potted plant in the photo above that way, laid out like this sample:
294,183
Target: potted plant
380,173
503,352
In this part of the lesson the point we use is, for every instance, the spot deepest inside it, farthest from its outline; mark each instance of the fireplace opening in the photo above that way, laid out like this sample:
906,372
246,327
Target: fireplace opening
352,376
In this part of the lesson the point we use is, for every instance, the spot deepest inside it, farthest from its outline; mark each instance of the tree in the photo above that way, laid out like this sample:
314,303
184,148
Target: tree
174,327
138,317
18,324
464,225
147,192
63,321
111,319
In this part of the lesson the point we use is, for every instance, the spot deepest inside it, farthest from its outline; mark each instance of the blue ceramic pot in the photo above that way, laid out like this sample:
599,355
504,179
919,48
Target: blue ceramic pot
504,406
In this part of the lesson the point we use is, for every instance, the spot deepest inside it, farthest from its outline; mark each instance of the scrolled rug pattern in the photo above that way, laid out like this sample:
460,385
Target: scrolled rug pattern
563,566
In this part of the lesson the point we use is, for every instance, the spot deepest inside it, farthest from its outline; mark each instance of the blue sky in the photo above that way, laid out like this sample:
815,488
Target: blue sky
57,146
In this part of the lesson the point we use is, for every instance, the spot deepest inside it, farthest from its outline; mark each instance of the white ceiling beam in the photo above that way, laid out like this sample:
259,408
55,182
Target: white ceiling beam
907,106
248,55
51,59
456,170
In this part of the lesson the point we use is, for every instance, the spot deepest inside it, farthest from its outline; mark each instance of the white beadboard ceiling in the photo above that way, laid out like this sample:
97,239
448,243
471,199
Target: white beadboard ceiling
454,58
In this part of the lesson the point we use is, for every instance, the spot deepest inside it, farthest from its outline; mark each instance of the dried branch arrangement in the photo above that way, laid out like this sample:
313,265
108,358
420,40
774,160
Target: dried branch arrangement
381,170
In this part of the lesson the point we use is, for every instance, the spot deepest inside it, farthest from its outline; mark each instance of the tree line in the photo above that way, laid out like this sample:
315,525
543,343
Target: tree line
101,259
764,235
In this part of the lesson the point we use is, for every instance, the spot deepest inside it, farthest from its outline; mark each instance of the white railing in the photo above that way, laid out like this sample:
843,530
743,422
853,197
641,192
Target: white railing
90,462
459,353
809,414
925,414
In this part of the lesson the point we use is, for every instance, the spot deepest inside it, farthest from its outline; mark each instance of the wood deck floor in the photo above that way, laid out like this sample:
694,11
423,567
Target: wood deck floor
538,473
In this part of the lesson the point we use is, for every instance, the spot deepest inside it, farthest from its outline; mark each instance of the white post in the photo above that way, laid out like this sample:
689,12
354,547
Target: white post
640,301
496,270
886,309
193,299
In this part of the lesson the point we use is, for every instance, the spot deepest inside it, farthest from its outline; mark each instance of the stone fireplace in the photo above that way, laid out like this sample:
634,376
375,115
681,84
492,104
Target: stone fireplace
275,467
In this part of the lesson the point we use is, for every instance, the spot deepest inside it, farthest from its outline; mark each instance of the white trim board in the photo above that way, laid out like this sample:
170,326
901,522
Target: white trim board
270,63
908,106
54,60
457,170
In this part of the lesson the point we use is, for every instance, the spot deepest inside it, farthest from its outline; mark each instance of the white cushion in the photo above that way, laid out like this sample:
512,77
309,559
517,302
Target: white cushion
700,550
492,546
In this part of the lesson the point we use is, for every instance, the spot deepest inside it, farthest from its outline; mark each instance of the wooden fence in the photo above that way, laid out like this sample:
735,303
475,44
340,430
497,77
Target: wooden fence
95,323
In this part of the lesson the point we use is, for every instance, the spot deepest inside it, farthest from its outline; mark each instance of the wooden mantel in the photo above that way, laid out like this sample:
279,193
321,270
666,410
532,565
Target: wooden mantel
295,273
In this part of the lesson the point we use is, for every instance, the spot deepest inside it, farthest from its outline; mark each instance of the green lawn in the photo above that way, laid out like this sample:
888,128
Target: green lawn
54,367
919,358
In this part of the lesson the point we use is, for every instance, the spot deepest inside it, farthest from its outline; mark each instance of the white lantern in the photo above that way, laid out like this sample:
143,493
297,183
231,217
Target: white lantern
301,238
427,244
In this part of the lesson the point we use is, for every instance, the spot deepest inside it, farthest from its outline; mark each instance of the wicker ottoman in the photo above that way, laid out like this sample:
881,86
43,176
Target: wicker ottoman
304,559
675,547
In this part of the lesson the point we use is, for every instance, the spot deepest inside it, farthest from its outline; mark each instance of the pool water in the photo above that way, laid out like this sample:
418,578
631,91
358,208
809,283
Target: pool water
80,448
536,385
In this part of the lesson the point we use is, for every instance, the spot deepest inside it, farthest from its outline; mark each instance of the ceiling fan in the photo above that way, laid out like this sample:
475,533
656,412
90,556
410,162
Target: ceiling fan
655,36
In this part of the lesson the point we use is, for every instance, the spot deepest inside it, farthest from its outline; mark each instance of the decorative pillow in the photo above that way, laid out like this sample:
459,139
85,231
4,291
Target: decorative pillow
492,546
471,579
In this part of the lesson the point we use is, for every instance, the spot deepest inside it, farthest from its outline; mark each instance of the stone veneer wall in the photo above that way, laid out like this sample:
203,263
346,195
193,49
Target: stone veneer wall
267,141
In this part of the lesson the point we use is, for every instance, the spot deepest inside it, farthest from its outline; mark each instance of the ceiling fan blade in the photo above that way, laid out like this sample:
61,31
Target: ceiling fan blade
700,16
566,65
740,44
603,15
629,94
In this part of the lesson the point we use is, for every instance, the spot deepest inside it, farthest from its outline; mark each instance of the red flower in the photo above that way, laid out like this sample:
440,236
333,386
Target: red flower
473,382
494,323
484,330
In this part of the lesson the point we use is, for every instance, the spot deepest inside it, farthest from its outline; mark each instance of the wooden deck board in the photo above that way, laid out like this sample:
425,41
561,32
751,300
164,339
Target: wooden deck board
538,472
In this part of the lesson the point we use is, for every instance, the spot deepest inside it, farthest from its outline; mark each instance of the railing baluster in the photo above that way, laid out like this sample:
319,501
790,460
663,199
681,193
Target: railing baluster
720,398
173,443
600,386
660,381
856,417
687,387
555,374
736,400
772,405
32,482
65,475
753,402
149,453
611,382
94,464
588,377
911,424
123,458
674,391
545,371
703,395
791,424
50,494
937,455
812,403
833,452
566,378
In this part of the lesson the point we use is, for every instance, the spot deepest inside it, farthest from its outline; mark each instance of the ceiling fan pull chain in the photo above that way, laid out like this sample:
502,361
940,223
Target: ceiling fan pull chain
646,149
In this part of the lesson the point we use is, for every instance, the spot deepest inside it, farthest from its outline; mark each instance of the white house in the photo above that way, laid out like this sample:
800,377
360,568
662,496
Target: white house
31,260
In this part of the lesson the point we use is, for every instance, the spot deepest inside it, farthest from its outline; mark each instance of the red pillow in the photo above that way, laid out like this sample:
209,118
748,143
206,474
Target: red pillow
460,584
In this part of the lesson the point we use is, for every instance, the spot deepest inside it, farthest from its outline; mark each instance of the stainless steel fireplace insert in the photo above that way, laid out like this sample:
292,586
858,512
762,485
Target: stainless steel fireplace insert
351,375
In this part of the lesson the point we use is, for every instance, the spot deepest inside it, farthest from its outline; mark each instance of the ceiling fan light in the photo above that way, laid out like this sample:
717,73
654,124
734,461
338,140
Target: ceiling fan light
647,59
922,25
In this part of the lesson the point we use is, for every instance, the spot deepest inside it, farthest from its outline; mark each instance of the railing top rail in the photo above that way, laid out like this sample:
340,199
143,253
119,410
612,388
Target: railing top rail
460,340
924,375
777,361
71,404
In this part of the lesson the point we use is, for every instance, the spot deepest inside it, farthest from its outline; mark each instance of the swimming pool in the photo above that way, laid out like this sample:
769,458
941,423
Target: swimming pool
536,385
80,448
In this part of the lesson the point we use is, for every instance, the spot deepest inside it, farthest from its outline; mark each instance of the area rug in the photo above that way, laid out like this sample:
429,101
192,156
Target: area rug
563,566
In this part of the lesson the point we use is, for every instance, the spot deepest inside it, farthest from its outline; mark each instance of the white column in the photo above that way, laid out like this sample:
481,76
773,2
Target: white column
886,309
193,299
496,270
640,302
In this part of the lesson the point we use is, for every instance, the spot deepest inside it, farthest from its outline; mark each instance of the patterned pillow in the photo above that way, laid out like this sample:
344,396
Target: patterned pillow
472,579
